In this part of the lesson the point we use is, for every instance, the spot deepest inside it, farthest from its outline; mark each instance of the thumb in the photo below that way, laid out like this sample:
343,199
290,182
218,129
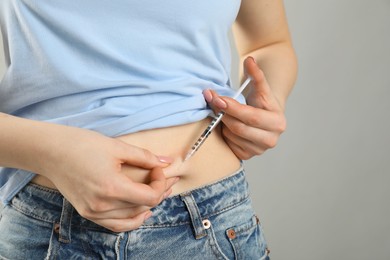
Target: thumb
260,94
139,157
214,101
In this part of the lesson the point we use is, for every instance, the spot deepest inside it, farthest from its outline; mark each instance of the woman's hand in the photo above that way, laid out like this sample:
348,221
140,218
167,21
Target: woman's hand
250,129
86,167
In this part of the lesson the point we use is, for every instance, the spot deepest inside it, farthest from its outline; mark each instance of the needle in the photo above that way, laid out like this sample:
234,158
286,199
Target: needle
213,124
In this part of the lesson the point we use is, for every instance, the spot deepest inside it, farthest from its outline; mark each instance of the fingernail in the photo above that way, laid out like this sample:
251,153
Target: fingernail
147,215
165,159
220,103
207,95
253,59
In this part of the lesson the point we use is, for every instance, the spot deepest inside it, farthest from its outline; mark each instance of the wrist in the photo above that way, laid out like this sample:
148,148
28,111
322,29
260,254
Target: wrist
25,144
281,101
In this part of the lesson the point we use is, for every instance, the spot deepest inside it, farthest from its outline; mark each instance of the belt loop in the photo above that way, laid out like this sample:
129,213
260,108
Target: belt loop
196,219
65,221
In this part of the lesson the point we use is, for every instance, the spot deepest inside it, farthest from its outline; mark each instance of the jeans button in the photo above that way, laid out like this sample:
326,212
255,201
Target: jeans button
231,234
57,228
206,224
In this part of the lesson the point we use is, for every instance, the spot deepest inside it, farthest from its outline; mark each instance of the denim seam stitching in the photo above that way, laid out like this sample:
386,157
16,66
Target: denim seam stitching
166,225
206,216
214,245
43,188
240,171
228,207
253,226
30,214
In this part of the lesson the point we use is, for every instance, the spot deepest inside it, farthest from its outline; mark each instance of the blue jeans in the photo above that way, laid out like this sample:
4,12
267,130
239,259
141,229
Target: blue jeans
213,222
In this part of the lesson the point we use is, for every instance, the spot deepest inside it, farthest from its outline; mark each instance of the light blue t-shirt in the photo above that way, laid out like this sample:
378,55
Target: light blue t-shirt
112,66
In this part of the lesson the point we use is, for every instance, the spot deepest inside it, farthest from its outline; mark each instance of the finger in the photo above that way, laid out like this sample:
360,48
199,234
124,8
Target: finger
149,194
240,152
142,158
115,209
245,132
124,194
123,225
255,117
158,182
254,125
170,182
254,147
209,97
123,213
260,94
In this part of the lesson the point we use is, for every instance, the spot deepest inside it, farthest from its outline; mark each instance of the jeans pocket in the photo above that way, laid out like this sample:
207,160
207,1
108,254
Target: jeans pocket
247,240
22,236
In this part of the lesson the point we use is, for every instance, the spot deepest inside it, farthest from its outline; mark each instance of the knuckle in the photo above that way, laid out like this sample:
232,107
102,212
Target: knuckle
112,228
271,142
237,129
93,207
246,155
243,154
258,151
281,125
85,212
122,225
226,132
109,190
133,226
254,120
97,206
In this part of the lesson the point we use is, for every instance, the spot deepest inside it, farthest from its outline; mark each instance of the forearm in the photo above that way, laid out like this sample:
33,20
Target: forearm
86,167
25,144
261,31
279,64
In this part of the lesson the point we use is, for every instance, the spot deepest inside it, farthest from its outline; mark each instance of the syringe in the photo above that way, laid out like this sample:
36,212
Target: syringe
213,124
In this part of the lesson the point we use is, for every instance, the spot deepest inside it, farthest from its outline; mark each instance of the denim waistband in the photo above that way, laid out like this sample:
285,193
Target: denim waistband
48,205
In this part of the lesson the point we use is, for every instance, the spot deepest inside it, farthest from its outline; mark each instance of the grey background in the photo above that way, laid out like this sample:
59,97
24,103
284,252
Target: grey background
322,193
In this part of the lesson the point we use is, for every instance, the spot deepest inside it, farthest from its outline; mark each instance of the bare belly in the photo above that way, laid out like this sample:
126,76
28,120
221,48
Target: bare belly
213,161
